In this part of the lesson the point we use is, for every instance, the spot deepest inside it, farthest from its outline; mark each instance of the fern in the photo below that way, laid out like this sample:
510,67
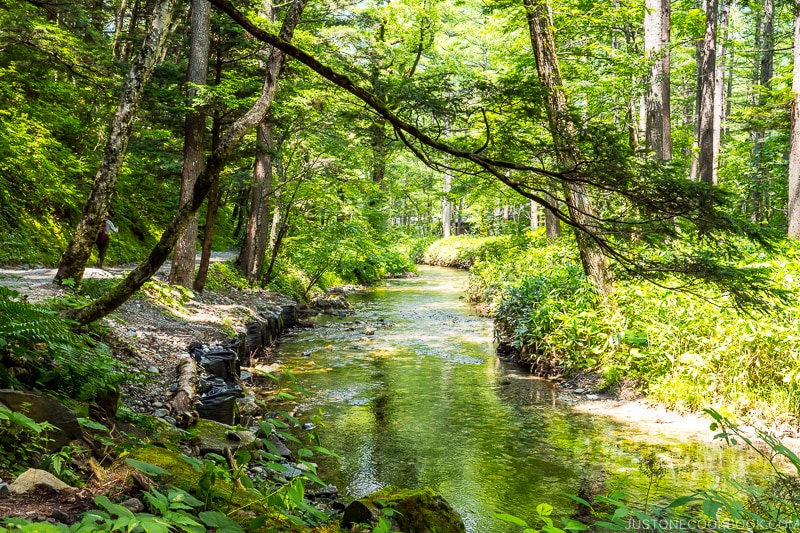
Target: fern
40,350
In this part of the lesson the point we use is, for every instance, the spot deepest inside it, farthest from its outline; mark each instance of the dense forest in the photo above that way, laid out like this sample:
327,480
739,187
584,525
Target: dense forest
621,178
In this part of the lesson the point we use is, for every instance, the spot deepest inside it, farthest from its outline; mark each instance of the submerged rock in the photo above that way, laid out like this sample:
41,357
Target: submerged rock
417,511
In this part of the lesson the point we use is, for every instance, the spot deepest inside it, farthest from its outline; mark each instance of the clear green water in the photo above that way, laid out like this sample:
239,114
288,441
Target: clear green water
425,402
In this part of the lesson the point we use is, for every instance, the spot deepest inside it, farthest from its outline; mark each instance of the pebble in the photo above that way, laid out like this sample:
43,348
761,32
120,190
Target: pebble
592,397
158,404
4,490
579,391
60,515
308,426
153,369
170,420
160,413
133,505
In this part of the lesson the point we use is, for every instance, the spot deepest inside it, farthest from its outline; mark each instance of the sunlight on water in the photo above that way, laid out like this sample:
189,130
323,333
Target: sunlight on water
413,395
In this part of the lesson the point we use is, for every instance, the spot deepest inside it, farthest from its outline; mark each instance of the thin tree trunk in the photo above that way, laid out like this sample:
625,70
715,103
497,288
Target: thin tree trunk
594,262
216,161
534,207
708,72
118,29
73,261
183,258
214,199
447,206
763,78
254,245
794,145
251,257
719,85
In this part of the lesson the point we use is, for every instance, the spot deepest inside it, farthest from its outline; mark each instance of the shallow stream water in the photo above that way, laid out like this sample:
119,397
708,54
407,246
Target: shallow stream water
425,402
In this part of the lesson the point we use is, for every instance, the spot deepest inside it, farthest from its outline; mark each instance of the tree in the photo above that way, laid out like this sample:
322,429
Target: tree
658,134
183,257
794,142
205,181
595,264
707,78
73,261
254,246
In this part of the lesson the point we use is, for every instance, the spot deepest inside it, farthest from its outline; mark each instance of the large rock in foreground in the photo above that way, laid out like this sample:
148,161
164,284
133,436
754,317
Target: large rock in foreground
417,511
43,409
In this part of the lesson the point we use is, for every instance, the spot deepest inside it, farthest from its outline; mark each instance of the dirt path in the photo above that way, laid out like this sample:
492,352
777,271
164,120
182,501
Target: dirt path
30,280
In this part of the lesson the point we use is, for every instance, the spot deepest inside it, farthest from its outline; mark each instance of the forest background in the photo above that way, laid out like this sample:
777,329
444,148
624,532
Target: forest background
661,134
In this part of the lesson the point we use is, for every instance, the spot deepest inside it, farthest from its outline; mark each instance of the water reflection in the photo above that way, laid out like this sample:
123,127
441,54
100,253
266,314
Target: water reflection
414,396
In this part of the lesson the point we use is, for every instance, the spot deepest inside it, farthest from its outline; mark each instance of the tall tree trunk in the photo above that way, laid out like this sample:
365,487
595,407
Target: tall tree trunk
594,262
707,73
763,80
216,161
794,145
214,196
658,135
719,84
183,258
73,261
251,257
447,205
534,208
254,245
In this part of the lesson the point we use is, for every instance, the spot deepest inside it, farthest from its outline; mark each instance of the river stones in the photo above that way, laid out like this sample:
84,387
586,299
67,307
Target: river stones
417,511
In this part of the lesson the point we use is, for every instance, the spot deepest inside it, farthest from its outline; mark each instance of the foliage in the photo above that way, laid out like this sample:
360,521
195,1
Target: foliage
174,296
22,440
223,276
40,351
463,251
684,350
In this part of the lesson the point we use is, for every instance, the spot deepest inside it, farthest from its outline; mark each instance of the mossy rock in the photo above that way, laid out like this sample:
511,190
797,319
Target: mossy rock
222,495
415,511
213,437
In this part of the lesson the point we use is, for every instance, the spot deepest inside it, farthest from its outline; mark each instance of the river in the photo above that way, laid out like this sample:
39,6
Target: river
424,401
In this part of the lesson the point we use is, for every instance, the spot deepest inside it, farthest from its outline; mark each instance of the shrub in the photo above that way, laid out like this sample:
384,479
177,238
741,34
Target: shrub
39,350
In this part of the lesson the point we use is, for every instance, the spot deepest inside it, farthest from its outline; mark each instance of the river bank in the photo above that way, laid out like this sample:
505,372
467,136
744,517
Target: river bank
150,336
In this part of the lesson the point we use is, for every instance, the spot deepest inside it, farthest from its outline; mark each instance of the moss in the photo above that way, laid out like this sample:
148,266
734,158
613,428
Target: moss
222,495
416,511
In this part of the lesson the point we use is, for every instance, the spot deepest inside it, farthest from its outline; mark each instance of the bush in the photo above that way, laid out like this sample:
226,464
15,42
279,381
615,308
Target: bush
39,350
685,350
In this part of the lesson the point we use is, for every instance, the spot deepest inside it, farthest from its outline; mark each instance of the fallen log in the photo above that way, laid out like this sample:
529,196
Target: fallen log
182,403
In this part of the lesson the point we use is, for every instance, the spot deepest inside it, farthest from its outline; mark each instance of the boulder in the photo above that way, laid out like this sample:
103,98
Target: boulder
329,301
214,437
32,478
417,511
43,409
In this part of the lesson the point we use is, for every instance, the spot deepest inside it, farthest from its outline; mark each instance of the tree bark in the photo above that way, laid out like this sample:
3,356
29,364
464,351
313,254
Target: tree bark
183,258
707,73
205,180
73,261
794,144
254,245
658,133
595,264
719,85
762,80
251,257
182,402
214,200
